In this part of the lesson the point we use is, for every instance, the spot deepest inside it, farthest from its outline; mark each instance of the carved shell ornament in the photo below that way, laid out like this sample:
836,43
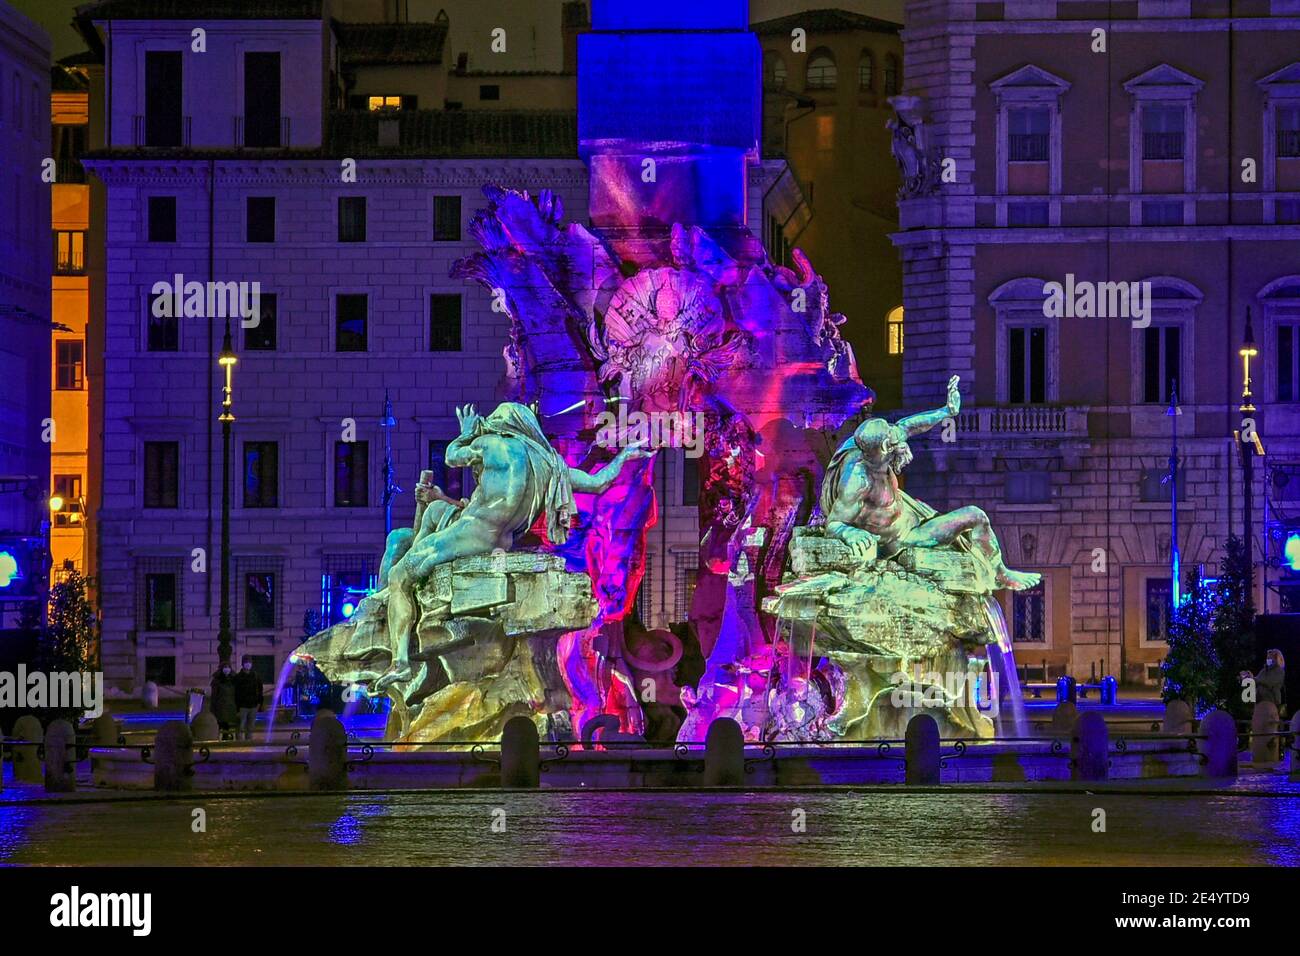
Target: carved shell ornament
663,330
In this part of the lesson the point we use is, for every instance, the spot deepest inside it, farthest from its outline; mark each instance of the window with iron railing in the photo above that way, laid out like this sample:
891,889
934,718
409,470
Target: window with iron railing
1288,132
1029,135
69,252
1163,132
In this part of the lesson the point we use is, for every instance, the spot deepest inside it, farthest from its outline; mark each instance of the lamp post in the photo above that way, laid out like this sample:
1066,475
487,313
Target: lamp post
391,491
226,360
1171,478
1248,436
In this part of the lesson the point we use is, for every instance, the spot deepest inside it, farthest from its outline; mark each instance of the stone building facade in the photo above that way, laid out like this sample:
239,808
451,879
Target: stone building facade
24,302
1089,143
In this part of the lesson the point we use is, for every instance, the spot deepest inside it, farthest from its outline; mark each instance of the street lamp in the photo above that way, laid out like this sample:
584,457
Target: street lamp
226,360
1171,478
391,491
1248,436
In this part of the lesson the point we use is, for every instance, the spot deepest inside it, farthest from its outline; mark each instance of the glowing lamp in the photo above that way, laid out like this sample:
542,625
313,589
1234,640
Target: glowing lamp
56,503
1291,549
348,609
8,569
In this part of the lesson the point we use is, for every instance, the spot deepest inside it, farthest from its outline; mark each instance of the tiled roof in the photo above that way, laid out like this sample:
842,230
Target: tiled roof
825,21
365,43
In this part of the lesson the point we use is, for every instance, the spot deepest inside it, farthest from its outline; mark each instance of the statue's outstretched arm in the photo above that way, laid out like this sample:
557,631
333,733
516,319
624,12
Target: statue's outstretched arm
604,477
923,422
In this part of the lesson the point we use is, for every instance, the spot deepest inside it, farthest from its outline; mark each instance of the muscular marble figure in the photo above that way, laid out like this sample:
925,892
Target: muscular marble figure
864,506
518,475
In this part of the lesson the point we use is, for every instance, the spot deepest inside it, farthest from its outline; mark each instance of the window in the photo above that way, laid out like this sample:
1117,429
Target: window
893,76
687,566
1162,131
163,331
1028,488
259,601
444,322
69,252
1288,361
261,474
261,99
161,474
1161,362
262,336
446,218
866,72
162,218
68,487
1153,486
780,75
69,365
645,594
1029,616
1288,131
822,74
1027,364
691,479
161,670
450,480
894,327
351,474
376,103
350,322
352,219
1029,135
162,99
260,219
1027,215
825,133
345,580
1162,212
160,611
1159,608
489,91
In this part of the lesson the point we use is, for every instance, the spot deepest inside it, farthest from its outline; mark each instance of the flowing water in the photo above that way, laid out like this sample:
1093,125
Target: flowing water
280,683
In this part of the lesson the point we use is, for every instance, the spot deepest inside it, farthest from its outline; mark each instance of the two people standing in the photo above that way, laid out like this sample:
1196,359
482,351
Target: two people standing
237,698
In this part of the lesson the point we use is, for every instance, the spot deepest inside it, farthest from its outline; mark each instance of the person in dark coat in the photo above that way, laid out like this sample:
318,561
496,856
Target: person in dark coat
224,707
1270,683
248,697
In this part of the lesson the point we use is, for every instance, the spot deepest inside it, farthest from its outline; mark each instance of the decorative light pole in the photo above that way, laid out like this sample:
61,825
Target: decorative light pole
391,491
1251,445
1171,479
226,360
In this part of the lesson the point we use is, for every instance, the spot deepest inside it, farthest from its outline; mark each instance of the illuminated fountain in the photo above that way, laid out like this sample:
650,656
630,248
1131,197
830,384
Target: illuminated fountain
813,624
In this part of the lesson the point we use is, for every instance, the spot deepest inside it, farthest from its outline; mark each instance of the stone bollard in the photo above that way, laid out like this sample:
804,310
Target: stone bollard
149,695
521,761
1220,731
173,757
1090,748
104,731
1264,720
724,754
1177,719
60,758
27,767
1294,752
921,749
327,754
1064,718
205,727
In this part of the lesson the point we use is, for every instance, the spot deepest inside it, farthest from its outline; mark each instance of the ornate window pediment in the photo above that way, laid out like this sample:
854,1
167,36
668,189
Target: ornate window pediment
1023,82
1164,82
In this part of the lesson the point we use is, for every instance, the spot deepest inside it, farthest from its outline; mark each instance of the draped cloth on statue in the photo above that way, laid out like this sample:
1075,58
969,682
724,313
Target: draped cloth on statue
550,490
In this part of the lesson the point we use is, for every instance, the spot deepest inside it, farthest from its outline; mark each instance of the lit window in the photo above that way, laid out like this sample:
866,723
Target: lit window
894,323
383,102
825,133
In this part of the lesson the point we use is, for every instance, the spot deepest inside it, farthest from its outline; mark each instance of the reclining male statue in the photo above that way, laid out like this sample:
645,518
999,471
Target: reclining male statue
865,508
518,475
